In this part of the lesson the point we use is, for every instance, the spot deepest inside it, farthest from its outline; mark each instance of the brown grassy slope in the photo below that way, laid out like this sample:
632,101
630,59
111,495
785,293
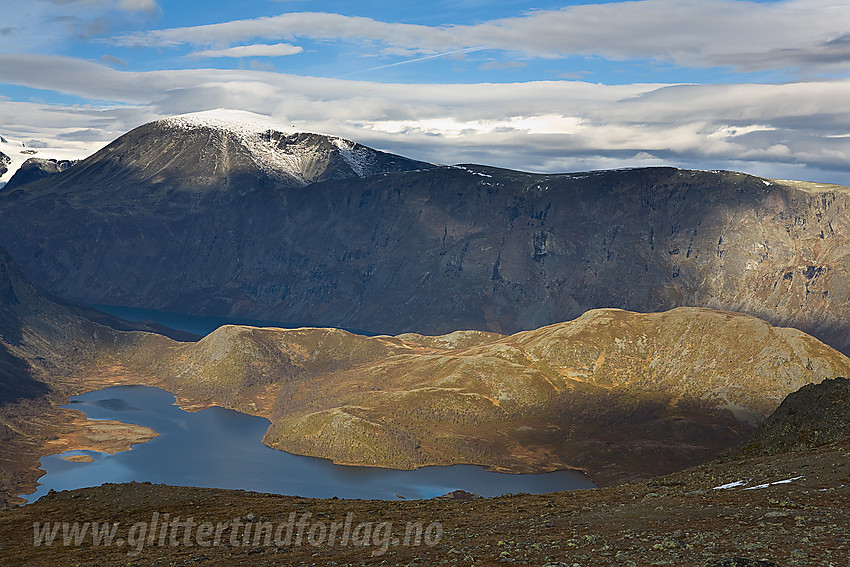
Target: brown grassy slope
619,394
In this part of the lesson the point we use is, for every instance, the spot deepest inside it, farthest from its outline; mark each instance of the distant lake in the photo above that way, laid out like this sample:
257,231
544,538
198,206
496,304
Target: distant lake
198,324
222,448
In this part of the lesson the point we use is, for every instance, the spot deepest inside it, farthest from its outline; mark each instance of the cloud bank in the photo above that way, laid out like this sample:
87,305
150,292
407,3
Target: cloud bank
261,50
797,129
741,34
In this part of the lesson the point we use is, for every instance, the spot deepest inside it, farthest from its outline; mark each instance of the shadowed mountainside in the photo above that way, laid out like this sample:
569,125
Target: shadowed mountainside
619,394
47,348
814,415
209,217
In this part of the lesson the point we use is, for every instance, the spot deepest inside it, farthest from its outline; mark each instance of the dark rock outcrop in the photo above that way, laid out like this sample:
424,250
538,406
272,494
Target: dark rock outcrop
814,415
37,168
4,163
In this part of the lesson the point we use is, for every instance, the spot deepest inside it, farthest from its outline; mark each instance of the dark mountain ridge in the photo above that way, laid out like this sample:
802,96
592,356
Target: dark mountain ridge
166,219
223,151
36,168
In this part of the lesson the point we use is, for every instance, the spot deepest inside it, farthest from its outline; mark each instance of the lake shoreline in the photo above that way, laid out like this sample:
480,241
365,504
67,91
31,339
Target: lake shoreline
121,417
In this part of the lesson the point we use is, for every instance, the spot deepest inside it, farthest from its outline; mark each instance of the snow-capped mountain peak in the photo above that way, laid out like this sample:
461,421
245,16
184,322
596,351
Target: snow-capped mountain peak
239,122
293,157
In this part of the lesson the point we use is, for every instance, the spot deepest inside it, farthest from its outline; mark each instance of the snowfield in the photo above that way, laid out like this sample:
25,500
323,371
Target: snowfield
252,130
18,153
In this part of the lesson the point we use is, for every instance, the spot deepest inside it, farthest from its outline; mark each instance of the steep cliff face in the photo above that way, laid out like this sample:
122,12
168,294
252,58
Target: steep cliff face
428,250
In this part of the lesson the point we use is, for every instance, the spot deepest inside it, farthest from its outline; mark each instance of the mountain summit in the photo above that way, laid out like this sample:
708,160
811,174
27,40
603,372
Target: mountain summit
225,150
222,213
295,158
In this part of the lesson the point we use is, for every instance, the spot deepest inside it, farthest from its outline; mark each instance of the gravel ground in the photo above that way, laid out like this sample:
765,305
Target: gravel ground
680,520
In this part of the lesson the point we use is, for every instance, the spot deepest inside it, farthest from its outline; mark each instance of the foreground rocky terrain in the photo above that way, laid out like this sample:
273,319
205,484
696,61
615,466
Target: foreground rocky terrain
785,509
234,217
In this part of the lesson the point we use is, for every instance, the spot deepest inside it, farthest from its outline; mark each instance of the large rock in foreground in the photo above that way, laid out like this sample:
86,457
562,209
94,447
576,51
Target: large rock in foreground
814,415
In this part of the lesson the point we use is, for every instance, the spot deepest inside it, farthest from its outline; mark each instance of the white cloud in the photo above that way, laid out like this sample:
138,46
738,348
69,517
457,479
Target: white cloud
259,50
47,25
139,5
744,34
502,65
769,129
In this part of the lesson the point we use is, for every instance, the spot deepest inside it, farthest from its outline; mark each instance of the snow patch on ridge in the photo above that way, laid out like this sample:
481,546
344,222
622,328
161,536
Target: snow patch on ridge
358,157
18,152
240,122
256,133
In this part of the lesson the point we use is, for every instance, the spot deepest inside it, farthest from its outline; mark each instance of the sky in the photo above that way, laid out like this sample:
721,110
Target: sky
761,87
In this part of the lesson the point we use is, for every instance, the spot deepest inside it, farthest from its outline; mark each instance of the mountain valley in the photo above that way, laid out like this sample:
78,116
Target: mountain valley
192,215
750,509
678,335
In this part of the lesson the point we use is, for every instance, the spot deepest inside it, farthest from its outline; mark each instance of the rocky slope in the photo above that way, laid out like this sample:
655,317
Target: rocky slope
619,394
814,415
184,217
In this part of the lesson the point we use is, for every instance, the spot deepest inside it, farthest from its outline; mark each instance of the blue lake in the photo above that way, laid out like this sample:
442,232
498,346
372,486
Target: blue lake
222,448
197,324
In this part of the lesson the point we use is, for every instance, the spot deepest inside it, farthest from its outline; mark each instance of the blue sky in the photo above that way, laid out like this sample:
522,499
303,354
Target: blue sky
762,87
